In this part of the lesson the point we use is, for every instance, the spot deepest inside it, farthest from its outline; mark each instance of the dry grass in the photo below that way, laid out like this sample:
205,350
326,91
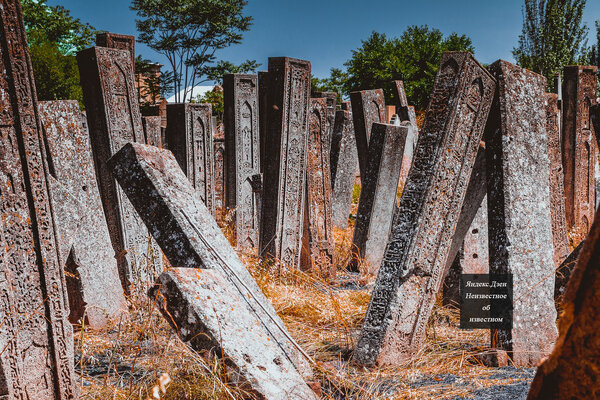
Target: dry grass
132,358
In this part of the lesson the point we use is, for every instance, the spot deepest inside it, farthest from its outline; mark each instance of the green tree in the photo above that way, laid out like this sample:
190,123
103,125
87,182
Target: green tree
336,82
595,50
215,72
216,99
189,33
553,36
413,58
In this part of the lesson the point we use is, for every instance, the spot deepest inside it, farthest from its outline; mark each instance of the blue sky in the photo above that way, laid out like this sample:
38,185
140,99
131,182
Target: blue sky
325,31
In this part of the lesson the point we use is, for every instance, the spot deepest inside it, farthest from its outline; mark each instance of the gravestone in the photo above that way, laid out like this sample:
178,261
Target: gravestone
475,245
368,106
117,41
114,119
219,167
564,272
318,229
263,105
190,138
188,234
85,249
580,149
331,98
557,197
572,370
414,262
285,161
152,130
344,169
406,113
378,196
36,361
520,224
243,157
402,107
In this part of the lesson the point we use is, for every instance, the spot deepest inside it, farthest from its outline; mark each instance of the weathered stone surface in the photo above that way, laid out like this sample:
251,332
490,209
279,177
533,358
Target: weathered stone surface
580,149
595,116
208,311
243,157
378,195
557,189
285,160
520,226
117,41
36,362
573,369
219,167
564,272
186,231
85,250
190,138
345,167
152,130
331,98
406,113
402,107
451,286
318,226
114,119
368,106
415,259
263,113
475,245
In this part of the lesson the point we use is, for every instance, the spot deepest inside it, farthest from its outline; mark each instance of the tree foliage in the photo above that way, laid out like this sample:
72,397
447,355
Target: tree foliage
189,33
413,58
335,83
553,36
595,49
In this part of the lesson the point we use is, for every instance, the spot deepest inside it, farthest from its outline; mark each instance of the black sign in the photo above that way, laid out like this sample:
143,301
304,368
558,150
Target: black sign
486,301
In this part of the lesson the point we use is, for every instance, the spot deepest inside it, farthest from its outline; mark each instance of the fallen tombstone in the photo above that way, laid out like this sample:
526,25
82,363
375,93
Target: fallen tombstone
188,234
85,250
415,259
572,371
35,336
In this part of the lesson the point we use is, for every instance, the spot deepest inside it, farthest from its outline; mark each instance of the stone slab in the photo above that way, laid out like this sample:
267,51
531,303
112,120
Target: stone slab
520,226
415,259
331,98
285,161
219,167
190,137
152,130
85,250
263,105
36,361
368,106
378,195
114,119
117,41
572,370
243,158
184,228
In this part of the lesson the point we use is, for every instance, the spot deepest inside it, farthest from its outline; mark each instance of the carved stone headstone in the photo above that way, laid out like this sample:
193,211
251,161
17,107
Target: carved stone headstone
318,229
219,167
114,119
475,245
36,361
572,370
85,249
243,156
344,167
285,160
414,262
190,138
378,195
520,225
368,106
557,197
580,149
152,130
331,98
117,41
402,107
190,238
263,113
406,113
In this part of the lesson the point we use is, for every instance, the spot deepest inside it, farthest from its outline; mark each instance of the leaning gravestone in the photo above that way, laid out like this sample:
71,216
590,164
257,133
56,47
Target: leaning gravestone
243,156
368,106
406,113
318,229
378,197
344,164
520,225
572,371
190,138
36,362
331,98
85,250
285,161
557,190
415,259
114,119
580,149
152,130
218,308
